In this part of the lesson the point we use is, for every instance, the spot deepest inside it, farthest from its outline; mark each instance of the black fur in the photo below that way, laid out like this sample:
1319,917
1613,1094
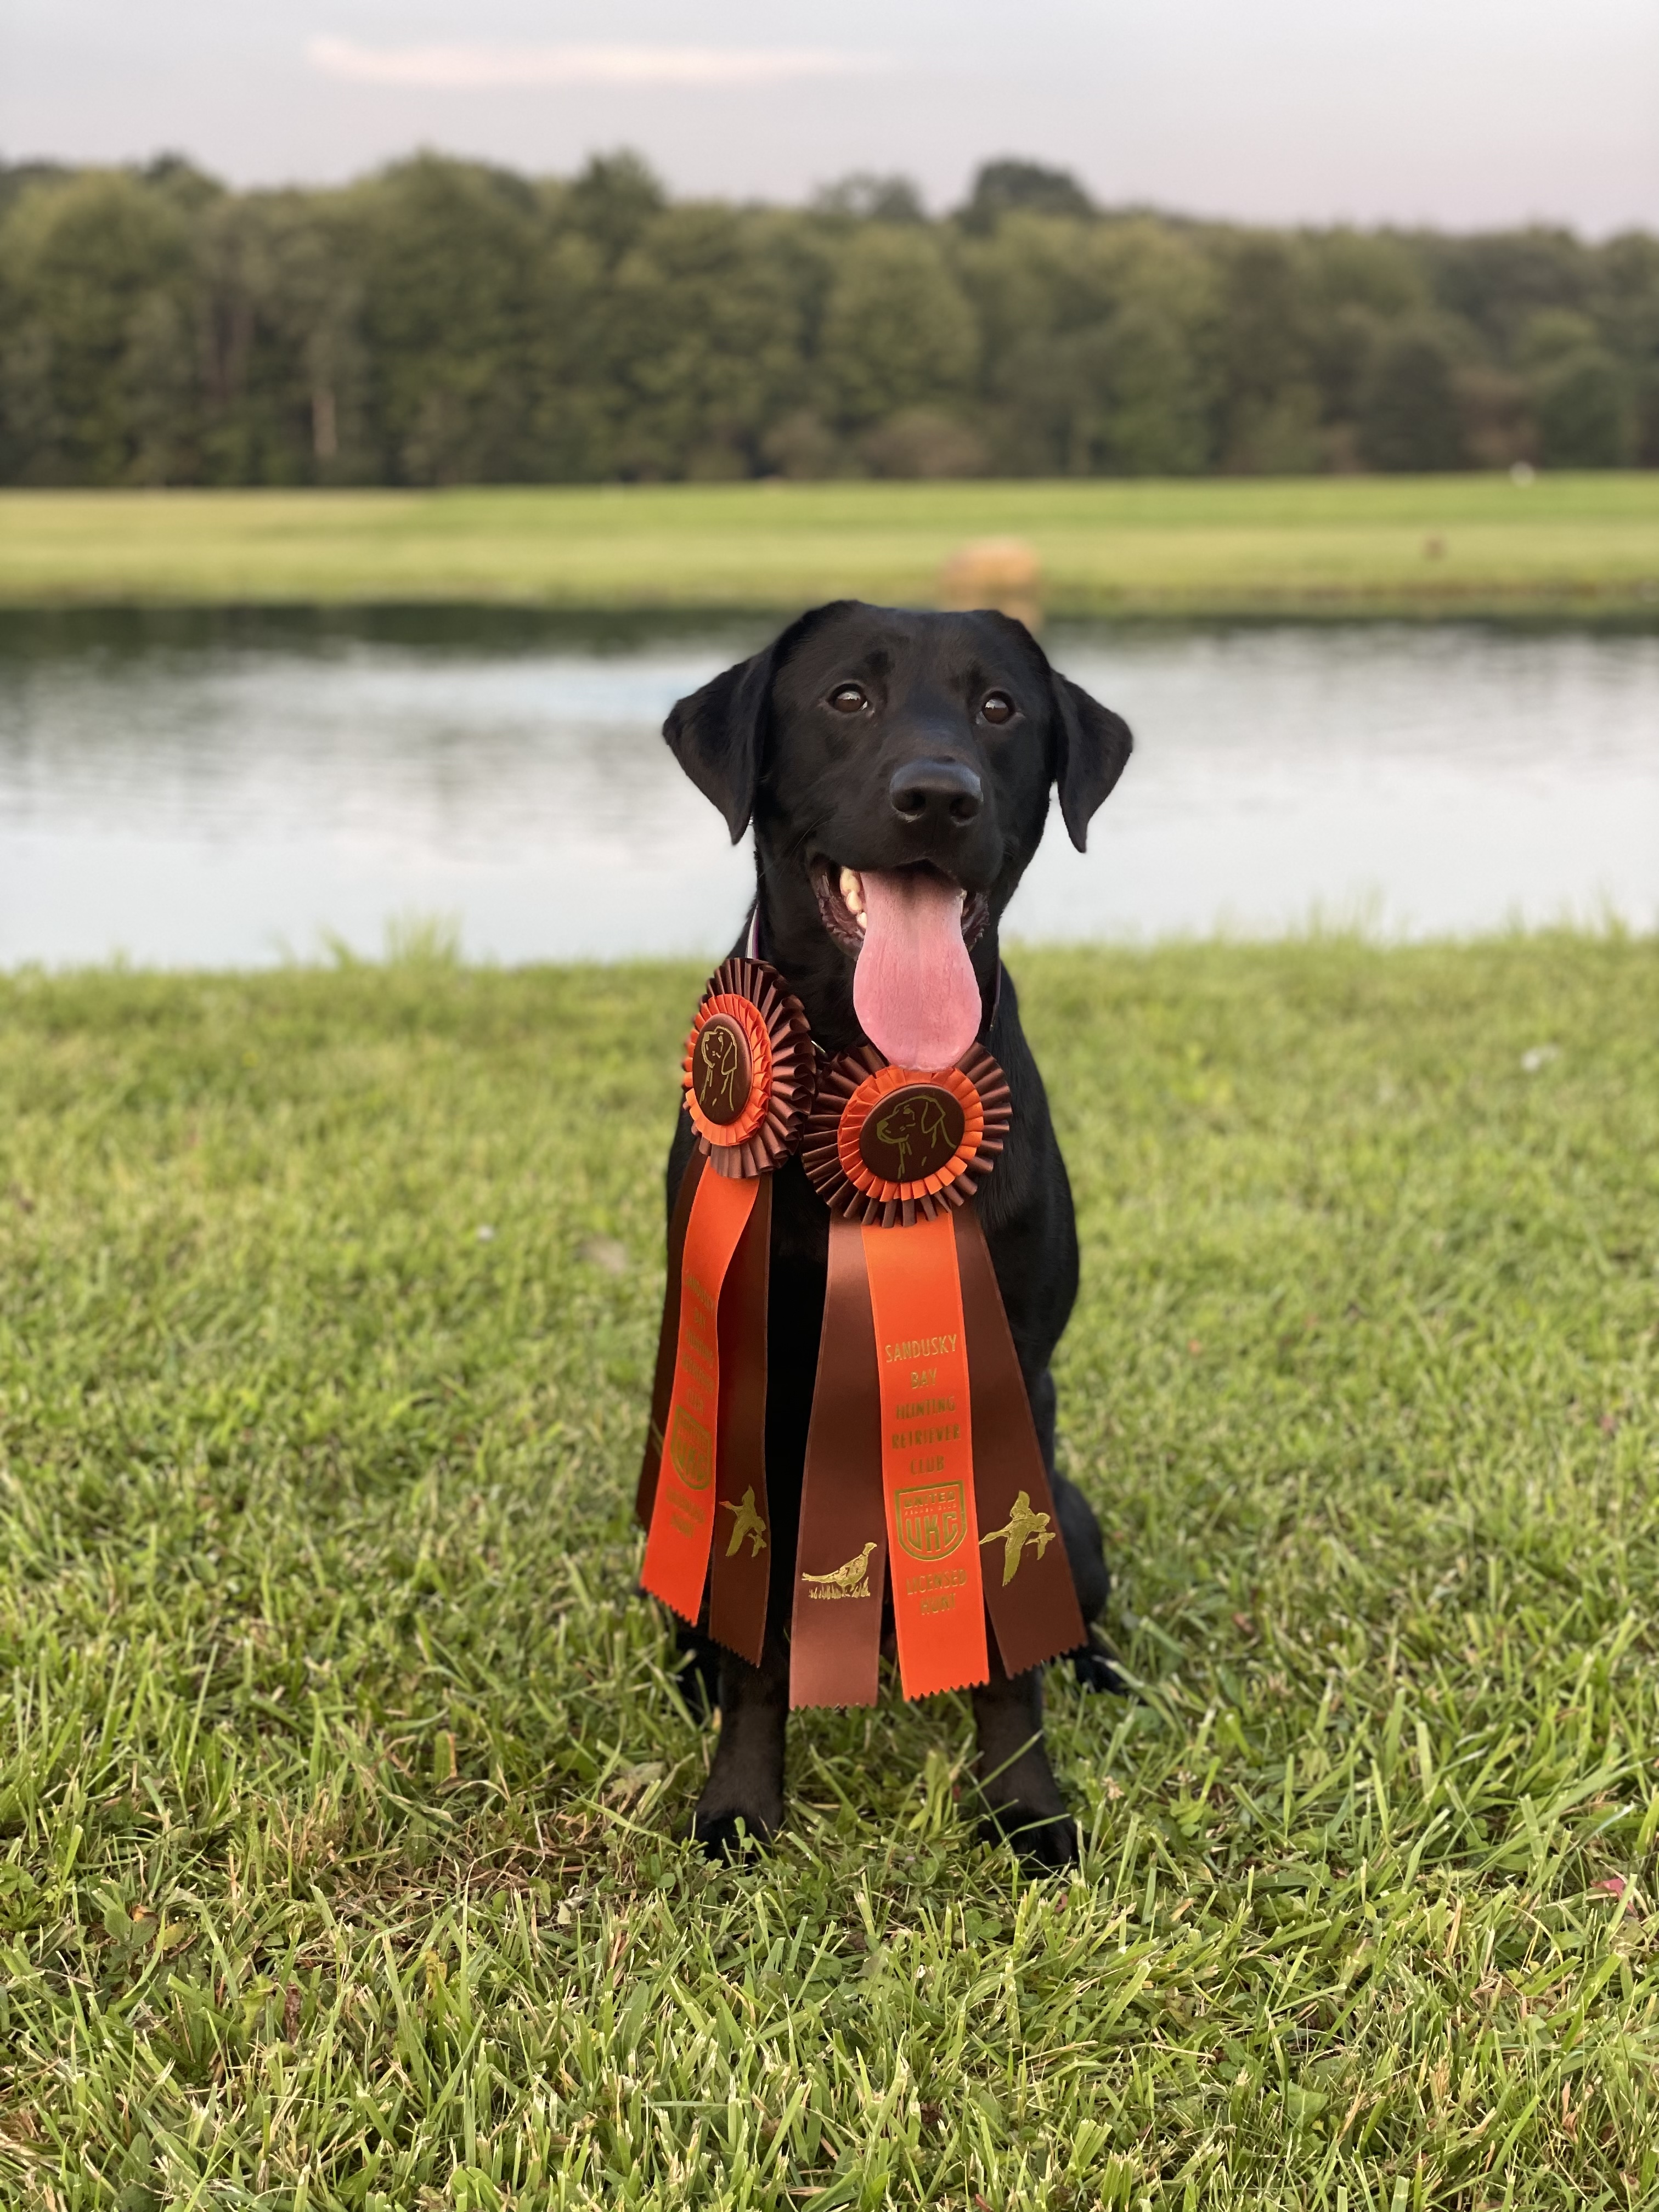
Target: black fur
822,788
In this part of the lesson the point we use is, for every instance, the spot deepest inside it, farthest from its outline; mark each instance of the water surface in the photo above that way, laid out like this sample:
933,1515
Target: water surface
232,795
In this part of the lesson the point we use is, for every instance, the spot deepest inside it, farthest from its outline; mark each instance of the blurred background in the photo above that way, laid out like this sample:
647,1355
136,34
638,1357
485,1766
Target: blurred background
399,411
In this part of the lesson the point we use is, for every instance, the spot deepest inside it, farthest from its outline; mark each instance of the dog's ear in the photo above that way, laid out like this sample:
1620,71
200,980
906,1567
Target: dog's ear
716,736
1091,750
1091,744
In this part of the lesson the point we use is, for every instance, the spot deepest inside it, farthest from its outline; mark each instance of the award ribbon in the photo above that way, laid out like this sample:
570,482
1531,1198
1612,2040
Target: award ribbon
748,1077
927,1456
921,1454
840,1559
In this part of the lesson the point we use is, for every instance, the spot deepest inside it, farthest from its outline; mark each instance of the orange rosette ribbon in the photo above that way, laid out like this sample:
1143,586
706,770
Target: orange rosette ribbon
921,1452
891,1146
748,1076
748,1070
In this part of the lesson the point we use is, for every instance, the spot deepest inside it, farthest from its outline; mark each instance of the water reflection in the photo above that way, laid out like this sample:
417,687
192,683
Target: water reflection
218,797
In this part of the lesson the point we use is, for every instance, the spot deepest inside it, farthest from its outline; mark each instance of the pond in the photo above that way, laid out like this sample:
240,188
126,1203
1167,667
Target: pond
240,791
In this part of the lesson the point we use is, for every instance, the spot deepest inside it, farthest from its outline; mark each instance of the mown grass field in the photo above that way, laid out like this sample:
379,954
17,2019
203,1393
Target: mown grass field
1567,545
343,1784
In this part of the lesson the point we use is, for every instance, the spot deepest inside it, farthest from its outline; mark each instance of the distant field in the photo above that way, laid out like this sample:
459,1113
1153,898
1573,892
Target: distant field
1424,545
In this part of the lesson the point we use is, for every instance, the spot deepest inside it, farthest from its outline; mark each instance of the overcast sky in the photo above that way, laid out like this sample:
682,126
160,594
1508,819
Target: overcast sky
1463,113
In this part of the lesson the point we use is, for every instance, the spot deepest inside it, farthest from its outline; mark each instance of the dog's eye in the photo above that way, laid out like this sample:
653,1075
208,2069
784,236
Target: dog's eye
997,707
848,698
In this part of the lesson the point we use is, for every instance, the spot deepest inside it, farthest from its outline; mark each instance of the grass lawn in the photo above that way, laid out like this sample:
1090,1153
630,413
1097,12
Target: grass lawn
1564,545
342,1802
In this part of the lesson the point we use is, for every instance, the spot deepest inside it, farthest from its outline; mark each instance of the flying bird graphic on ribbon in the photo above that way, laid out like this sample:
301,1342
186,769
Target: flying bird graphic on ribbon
748,1523
1024,1527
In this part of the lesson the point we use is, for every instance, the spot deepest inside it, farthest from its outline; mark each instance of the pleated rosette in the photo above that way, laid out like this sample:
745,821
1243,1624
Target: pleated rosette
749,1070
889,1146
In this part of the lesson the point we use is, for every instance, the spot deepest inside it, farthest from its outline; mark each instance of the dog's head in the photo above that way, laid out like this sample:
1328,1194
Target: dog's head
897,767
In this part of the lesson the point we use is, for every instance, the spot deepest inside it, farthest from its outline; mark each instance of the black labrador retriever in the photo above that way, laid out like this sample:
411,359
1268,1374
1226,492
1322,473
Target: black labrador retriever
877,747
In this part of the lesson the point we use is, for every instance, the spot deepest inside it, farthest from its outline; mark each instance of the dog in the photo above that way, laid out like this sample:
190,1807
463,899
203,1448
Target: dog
920,750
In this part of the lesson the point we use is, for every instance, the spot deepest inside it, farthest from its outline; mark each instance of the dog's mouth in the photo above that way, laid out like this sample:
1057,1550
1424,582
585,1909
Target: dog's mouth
844,911
908,929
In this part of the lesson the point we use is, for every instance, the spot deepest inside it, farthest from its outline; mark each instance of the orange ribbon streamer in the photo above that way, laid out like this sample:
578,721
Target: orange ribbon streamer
683,1515
927,1456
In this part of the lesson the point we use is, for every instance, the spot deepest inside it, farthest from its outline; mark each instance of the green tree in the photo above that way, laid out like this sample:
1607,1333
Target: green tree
1008,187
897,330
284,367
1409,414
703,345
1155,419
1354,284
447,249
865,197
98,268
614,202
446,322
18,177
31,428
1626,307
921,441
1269,398
1583,397
159,384
1497,282
1584,403
1099,343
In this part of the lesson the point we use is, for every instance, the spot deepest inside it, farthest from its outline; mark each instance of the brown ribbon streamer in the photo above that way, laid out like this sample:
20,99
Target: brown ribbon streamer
1028,1591
841,1562
662,1390
740,1568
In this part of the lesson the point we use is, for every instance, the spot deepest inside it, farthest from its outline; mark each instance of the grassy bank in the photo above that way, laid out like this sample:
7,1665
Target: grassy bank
340,1809
1562,546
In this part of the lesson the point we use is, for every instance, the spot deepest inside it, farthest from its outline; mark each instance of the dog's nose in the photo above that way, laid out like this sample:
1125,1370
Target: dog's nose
936,792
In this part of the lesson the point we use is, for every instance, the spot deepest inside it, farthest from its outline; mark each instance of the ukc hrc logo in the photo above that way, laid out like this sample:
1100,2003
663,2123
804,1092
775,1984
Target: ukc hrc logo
932,1521
691,1448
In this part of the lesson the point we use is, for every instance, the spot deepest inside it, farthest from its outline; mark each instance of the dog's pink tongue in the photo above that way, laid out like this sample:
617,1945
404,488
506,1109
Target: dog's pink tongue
914,988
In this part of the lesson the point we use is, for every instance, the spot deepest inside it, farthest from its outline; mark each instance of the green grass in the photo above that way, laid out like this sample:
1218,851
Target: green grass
1566,545
343,1793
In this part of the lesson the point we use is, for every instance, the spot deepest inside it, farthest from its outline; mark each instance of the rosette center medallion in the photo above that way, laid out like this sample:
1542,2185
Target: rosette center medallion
913,1132
722,1071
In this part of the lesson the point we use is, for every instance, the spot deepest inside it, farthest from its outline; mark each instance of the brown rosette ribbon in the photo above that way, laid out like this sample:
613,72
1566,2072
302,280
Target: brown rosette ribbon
921,1454
748,1076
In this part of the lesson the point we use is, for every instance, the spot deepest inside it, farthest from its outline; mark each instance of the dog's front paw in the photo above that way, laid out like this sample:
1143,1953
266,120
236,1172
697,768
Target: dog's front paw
1095,1666
726,1835
1046,1843
737,1809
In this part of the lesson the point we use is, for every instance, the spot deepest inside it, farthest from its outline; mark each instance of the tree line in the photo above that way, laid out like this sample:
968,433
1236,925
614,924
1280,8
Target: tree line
447,322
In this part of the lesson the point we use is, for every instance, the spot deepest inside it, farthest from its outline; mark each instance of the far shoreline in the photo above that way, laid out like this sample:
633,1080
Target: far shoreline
1562,548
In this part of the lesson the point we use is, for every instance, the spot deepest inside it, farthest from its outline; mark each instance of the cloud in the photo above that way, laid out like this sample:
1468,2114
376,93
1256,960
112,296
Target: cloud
474,68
